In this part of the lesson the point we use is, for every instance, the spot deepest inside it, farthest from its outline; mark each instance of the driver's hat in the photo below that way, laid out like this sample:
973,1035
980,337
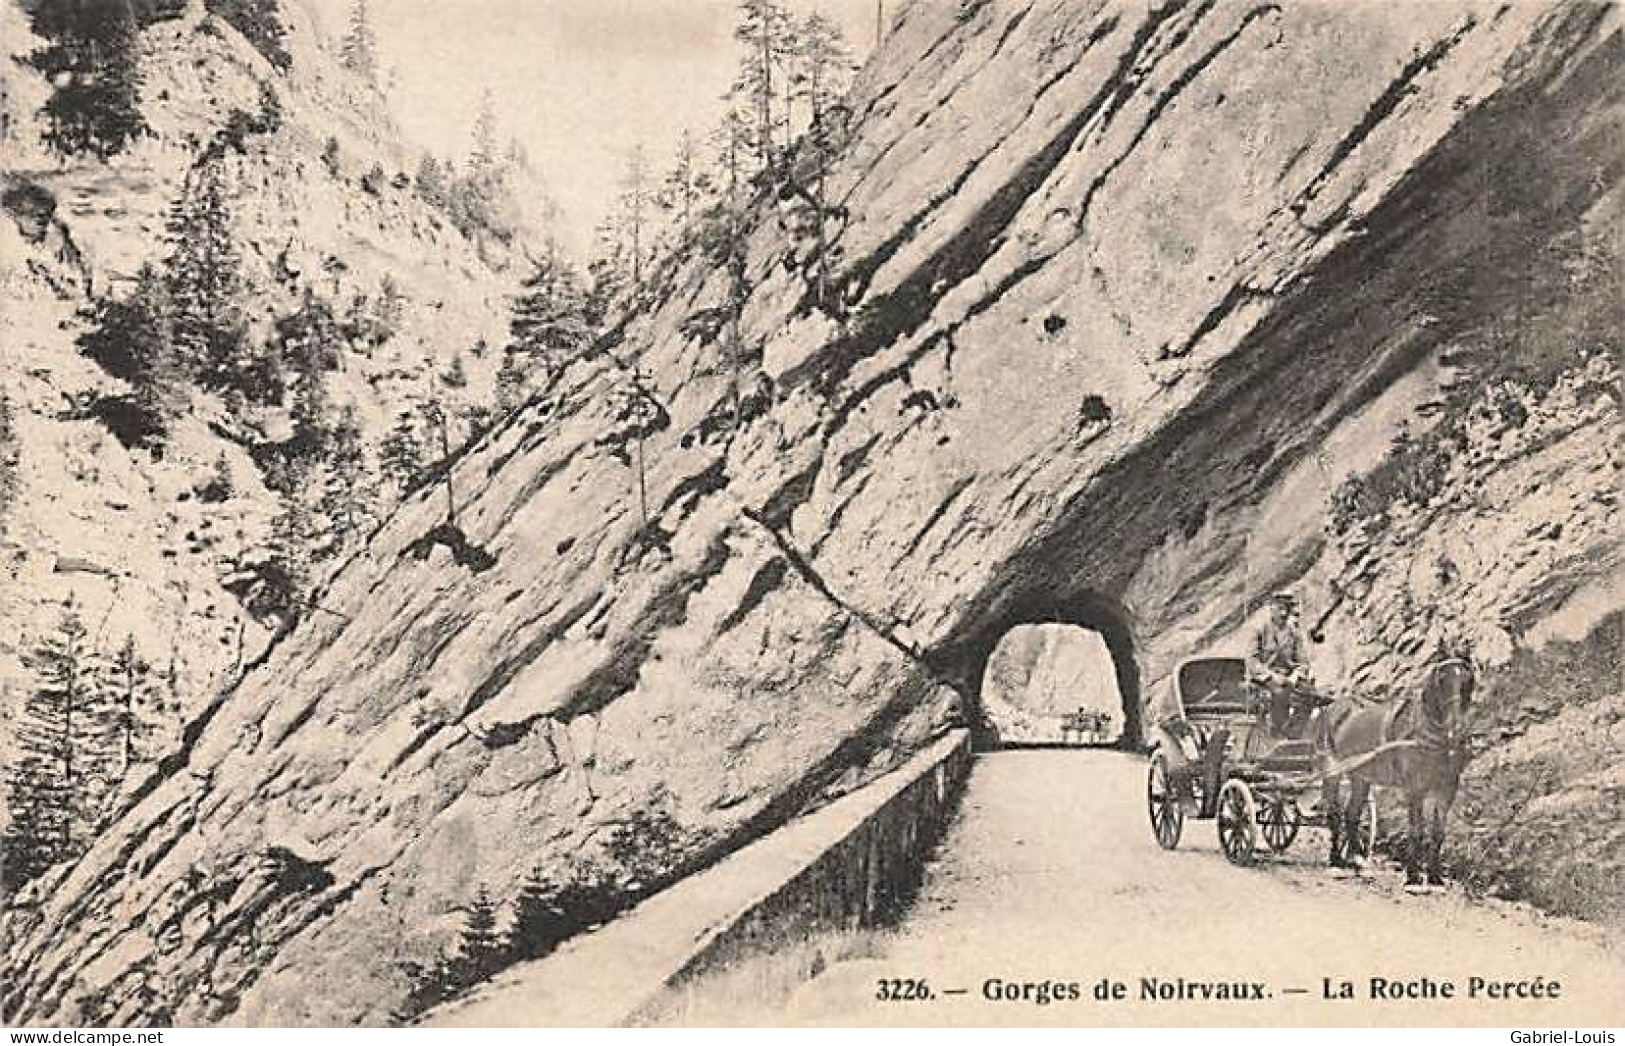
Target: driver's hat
1285,599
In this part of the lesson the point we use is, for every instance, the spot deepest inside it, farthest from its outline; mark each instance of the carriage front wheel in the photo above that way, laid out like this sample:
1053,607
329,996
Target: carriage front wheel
1167,815
1238,822
1280,822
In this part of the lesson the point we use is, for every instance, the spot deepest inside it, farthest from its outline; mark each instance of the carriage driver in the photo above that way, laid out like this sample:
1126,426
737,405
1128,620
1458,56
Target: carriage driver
1277,664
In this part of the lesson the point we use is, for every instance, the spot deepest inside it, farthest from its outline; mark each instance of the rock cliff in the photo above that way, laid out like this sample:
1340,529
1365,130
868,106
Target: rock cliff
126,534
1145,310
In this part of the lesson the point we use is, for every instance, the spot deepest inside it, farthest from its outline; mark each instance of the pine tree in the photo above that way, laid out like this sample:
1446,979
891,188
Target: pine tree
732,139
549,322
479,951
310,417
133,339
390,311
308,340
684,184
477,419
402,454
285,576
512,380
260,23
764,32
359,49
206,287
219,486
822,65
477,200
547,912
607,272
482,157
347,500
93,60
539,919
634,208
55,782
311,345
139,712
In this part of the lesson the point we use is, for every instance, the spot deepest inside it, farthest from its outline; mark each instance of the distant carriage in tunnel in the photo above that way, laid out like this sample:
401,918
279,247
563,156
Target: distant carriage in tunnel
1217,756
1086,726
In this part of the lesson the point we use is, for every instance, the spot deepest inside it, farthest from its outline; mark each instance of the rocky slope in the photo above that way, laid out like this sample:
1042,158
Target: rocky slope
1133,292
125,534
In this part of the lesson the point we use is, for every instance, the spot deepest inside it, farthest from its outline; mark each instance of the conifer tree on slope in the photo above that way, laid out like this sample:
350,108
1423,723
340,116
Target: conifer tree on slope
134,698
347,502
403,453
549,324
260,23
684,185
285,577
764,33
732,140
206,287
133,338
310,343
608,270
56,779
480,946
823,67
93,60
358,51
635,199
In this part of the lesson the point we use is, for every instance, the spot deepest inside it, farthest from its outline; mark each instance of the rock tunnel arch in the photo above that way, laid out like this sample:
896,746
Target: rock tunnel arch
965,662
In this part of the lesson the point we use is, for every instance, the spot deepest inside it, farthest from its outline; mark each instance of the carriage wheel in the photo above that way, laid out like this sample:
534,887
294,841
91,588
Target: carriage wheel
1280,822
1238,822
1167,815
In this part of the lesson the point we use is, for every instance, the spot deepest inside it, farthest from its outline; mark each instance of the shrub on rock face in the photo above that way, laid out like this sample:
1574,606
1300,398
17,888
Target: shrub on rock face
373,181
219,486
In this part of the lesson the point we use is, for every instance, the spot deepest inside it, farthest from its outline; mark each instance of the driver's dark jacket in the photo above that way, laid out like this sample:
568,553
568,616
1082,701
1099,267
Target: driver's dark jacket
1278,649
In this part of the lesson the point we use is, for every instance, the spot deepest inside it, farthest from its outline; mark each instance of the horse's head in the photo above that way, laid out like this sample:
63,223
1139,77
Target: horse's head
1447,697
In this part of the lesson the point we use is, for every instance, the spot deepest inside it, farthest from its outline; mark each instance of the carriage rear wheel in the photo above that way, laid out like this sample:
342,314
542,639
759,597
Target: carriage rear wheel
1167,815
1238,822
1280,822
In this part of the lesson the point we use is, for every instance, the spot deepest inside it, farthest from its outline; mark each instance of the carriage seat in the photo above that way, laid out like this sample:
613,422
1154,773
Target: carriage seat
1290,757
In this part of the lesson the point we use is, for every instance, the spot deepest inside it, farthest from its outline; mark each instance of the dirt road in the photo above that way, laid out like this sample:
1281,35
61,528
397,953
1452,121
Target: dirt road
1049,876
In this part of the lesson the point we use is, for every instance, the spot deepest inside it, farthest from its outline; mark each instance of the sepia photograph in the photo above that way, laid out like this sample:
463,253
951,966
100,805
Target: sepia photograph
811,513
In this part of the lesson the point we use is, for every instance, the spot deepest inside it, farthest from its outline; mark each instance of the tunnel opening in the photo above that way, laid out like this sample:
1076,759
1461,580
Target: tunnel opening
1098,628
1051,685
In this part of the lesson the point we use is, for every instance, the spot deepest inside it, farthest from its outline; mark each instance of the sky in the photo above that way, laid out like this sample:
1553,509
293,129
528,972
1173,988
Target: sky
577,82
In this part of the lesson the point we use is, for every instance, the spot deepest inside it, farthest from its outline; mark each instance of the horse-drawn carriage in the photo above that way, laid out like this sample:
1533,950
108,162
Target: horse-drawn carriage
1223,753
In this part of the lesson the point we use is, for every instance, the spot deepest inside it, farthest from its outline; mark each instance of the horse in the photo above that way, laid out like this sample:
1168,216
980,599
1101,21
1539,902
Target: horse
1417,744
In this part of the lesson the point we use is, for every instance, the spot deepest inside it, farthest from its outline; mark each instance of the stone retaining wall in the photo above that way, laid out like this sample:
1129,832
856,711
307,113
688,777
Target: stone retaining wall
850,865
